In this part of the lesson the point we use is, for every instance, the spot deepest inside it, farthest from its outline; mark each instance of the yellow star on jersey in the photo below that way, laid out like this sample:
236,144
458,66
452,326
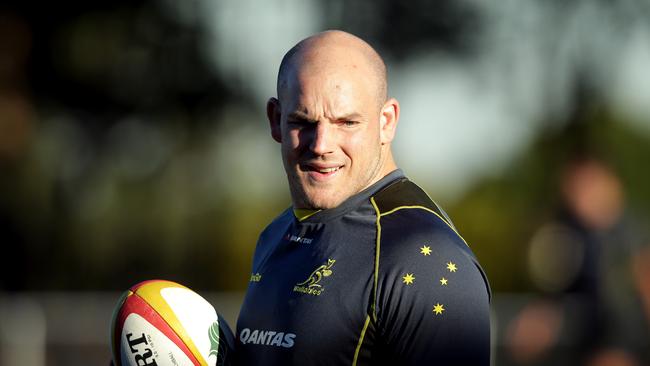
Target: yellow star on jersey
426,250
443,281
451,267
438,309
408,279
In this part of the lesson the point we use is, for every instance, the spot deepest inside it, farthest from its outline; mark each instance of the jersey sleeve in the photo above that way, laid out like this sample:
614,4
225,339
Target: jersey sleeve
432,297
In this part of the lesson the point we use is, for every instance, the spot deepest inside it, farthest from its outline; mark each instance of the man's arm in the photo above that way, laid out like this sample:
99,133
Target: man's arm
432,297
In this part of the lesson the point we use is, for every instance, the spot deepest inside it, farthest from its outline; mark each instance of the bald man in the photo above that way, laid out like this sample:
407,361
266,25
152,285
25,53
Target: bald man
364,268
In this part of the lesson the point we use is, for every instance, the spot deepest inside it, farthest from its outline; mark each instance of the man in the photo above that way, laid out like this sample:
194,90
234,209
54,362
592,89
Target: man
590,265
364,268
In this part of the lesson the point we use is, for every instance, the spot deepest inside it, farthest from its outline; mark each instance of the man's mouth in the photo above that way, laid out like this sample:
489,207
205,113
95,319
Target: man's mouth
321,172
326,170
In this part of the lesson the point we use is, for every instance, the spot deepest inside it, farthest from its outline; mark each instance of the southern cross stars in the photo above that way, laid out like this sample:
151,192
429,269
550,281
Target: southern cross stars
408,279
426,250
451,267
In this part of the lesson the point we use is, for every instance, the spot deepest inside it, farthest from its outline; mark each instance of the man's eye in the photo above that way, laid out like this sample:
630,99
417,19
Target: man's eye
349,123
297,122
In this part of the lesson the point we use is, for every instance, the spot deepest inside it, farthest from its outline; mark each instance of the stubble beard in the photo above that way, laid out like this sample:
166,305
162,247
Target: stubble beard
302,197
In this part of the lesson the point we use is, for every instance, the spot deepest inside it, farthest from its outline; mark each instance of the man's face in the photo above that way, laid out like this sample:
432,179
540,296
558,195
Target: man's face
330,135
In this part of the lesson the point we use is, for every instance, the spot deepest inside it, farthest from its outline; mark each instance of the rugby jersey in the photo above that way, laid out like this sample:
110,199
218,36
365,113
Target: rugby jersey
383,278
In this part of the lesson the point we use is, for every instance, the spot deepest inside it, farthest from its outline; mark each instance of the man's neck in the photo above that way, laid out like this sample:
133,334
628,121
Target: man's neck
303,213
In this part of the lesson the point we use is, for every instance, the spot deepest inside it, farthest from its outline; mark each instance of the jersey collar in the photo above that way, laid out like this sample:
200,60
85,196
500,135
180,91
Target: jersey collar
351,203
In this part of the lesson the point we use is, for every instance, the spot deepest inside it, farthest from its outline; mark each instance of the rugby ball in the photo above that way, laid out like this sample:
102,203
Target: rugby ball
162,323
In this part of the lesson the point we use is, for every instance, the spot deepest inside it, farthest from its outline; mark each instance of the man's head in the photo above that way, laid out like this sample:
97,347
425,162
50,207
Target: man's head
333,119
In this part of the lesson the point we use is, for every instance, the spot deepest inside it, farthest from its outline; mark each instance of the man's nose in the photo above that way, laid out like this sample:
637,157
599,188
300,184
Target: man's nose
322,138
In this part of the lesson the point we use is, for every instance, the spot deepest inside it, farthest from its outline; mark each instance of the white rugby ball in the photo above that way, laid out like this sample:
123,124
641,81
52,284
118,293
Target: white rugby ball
163,323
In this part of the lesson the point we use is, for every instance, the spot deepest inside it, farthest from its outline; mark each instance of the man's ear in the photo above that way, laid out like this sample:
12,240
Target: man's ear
388,120
274,114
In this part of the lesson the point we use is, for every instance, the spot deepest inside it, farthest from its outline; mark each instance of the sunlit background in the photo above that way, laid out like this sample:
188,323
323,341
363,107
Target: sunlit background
134,145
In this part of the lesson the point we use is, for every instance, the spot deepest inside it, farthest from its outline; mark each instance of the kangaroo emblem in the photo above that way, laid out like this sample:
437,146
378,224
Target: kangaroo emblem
320,272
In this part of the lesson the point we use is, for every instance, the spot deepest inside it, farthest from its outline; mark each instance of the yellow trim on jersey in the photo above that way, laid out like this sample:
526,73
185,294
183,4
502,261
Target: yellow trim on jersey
363,334
429,210
150,293
430,199
377,250
303,213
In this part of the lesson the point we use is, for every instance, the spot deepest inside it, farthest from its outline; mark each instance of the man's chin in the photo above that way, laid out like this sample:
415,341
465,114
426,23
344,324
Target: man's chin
323,201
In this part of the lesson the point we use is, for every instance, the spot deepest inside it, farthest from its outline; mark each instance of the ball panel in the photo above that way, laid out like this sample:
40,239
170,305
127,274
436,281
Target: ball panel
134,304
116,327
197,316
145,344
151,292
157,283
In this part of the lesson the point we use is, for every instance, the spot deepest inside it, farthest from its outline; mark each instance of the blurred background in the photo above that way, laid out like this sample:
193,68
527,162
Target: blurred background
134,145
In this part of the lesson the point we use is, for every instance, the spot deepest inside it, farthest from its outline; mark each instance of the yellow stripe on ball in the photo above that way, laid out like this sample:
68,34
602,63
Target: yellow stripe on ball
150,293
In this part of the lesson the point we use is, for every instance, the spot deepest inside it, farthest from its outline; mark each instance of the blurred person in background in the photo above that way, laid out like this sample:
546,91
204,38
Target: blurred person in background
593,268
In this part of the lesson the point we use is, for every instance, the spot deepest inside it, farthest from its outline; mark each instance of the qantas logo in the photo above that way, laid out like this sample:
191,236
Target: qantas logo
266,338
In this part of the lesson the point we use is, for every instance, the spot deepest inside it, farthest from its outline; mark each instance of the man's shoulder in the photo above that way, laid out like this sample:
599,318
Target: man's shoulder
279,224
412,224
270,236
405,197
417,236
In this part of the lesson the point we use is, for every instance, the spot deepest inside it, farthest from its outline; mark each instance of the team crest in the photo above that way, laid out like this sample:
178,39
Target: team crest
311,285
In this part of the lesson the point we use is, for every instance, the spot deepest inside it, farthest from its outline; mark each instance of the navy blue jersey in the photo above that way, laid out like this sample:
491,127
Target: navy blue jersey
384,278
